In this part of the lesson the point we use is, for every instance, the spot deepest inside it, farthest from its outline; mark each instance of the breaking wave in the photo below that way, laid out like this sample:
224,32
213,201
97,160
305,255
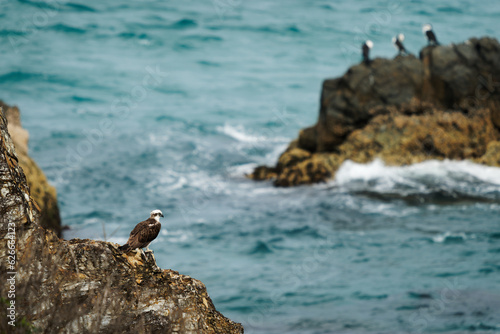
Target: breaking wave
430,180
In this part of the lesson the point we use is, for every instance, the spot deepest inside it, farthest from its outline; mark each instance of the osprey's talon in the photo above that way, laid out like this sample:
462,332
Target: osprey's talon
149,255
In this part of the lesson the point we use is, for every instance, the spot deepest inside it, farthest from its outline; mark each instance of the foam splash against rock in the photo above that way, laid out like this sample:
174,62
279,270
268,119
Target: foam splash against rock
463,178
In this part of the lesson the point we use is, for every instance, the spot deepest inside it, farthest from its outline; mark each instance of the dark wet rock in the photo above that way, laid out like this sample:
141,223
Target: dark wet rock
346,103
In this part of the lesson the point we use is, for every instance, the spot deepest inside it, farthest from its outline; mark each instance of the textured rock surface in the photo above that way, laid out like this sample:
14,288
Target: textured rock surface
84,286
443,105
42,192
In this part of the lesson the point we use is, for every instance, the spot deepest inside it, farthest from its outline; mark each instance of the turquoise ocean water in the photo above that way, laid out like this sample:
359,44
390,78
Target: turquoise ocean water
140,105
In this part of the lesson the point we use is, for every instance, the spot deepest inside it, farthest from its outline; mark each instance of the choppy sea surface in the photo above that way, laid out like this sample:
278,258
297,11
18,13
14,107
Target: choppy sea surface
140,105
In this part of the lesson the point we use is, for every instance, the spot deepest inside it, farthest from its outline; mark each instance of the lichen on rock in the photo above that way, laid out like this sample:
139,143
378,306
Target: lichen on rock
443,105
87,286
43,193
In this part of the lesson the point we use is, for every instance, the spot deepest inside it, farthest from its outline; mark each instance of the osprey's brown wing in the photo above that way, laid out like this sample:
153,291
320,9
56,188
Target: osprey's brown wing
141,226
143,234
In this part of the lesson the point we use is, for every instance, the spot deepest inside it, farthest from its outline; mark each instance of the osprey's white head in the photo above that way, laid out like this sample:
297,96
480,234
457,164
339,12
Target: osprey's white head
369,44
401,37
156,214
427,27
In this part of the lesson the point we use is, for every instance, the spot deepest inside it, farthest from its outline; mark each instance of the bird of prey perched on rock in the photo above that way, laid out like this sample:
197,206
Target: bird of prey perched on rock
143,233
431,37
365,48
398,43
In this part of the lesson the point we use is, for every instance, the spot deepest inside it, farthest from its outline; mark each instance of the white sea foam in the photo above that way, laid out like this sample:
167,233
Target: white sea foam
448,235
462,176
240,170
239,133
169,180
208,184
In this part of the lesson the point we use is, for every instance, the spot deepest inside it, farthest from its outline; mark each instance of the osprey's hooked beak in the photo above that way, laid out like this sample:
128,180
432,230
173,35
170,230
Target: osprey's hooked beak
161,215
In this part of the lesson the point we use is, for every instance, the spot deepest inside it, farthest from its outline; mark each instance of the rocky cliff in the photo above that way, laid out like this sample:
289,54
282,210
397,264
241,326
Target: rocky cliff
42,192
84,286
443,105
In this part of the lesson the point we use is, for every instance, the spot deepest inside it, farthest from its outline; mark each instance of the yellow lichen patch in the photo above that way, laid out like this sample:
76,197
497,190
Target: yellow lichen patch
262,173
292,157
134,258
492,155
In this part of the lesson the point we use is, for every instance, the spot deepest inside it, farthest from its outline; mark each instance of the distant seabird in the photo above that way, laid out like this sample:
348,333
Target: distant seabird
144,232
366,51
398,43
431,37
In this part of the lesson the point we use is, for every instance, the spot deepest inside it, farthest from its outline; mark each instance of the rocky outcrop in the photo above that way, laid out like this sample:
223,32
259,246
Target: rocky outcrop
443,105
85,286
42,192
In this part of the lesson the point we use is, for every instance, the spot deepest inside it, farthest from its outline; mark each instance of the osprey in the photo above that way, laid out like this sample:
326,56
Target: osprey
398,43
366,51
144,232
431,37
